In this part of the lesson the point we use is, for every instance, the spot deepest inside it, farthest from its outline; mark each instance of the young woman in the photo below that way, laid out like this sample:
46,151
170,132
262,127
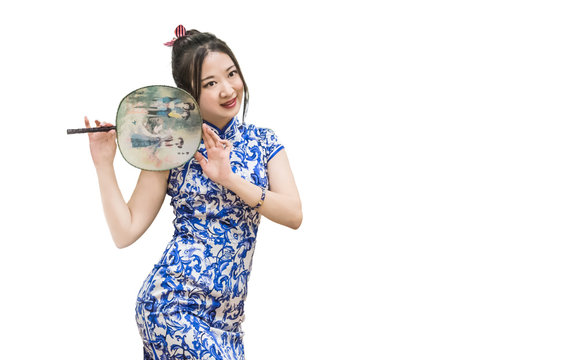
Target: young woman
191,306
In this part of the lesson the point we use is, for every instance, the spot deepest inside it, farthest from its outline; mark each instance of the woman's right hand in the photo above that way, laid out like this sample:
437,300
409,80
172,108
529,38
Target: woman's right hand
102,144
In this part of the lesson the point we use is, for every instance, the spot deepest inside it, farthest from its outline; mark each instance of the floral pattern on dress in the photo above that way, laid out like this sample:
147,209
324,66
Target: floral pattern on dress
191,305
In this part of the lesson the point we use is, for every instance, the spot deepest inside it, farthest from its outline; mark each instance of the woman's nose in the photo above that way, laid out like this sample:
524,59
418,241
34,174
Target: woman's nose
227,89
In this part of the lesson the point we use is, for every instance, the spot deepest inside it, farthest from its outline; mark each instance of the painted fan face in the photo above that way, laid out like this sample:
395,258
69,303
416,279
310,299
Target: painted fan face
158,127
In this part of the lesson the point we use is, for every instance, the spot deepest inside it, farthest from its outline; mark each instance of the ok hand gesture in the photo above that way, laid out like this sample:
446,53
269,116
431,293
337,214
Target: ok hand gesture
217,166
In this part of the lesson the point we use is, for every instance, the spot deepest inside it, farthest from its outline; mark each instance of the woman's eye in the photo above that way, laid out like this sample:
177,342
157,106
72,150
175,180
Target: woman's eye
210,84
233,73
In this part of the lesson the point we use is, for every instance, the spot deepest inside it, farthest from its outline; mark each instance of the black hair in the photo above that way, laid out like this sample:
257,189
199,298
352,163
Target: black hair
188,54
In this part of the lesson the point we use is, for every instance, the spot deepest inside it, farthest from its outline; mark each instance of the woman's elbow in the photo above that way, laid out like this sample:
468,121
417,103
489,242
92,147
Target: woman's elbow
122,242
296,220
120,245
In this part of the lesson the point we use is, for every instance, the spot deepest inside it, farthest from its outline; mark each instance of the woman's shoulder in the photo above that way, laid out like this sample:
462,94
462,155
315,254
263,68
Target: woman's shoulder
265,137
258,131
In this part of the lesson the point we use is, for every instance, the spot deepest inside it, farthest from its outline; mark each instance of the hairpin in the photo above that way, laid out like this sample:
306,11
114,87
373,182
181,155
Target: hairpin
180,31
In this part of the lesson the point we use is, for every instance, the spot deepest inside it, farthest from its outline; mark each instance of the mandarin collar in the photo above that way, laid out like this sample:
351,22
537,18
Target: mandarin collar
228,131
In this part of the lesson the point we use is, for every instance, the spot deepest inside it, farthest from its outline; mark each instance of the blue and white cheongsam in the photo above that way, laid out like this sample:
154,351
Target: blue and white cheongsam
191,306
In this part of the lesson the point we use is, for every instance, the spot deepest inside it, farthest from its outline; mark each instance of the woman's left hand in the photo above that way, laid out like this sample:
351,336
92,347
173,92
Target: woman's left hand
217,166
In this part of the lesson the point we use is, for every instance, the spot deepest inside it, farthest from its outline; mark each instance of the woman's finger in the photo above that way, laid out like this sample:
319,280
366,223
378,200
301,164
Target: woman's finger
215,138
200,158
86,121
226,144
208,137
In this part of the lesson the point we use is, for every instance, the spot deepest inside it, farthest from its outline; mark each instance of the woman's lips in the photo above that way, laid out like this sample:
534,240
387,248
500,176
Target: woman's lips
229,104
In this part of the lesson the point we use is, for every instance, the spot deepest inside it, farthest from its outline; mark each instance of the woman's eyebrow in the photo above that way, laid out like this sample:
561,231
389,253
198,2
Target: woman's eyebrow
212,76
208,77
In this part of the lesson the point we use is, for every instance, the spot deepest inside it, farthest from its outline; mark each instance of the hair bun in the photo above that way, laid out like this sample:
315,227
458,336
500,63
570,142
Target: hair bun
192,32
180,32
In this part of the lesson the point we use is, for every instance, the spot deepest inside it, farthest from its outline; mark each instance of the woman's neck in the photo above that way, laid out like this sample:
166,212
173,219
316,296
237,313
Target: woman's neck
219,123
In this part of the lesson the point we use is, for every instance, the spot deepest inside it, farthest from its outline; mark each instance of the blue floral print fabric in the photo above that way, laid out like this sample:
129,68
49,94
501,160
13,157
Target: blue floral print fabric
191,305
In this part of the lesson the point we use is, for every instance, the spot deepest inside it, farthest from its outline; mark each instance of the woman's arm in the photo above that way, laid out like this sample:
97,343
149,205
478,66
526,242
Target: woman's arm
282,203
127,221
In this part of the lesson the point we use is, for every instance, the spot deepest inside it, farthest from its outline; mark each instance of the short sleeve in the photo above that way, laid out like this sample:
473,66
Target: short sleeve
272,144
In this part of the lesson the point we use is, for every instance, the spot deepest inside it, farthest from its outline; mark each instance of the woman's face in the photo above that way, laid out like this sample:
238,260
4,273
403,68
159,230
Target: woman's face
221,89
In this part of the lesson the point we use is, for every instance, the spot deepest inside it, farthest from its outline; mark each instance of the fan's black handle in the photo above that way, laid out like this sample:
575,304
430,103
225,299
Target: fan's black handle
89,130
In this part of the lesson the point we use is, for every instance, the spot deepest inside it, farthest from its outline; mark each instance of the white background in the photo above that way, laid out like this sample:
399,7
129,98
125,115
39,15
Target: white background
433,146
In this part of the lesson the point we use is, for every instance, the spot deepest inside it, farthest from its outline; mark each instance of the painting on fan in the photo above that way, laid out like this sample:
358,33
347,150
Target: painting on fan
155,127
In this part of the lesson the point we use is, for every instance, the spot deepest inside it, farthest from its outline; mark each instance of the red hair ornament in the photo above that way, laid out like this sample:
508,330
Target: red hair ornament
180,31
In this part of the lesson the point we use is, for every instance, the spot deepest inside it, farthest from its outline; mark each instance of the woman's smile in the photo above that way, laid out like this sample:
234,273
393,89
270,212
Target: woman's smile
230,104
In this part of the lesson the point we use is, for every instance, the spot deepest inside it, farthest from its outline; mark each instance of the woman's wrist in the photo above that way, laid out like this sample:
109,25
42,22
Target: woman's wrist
104,168
232,181
250,193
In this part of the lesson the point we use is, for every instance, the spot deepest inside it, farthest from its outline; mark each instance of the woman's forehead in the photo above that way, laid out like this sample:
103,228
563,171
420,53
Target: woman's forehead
215,61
